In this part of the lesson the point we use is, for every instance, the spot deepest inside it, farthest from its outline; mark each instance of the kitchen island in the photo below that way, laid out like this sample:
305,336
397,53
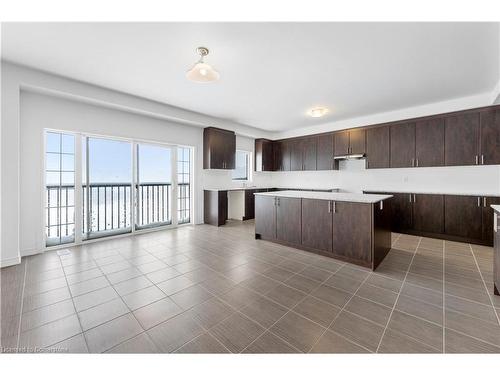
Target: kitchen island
496,249
351,227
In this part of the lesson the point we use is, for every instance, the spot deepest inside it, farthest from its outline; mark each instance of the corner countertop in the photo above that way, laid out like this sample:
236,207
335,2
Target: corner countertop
237,188
341,197
496,208
417,191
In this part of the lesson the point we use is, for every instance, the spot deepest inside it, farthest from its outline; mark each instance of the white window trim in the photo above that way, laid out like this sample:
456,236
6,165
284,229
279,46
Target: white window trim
249,168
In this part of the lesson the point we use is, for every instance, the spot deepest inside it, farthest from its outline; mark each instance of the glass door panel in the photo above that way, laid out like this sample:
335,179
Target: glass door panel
183,185
154,186
107,187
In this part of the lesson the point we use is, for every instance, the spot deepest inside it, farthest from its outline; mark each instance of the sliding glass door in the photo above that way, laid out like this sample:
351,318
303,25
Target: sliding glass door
154,186
107,187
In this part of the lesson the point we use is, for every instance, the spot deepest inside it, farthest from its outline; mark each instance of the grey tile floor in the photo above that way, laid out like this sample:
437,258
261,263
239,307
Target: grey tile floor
218,290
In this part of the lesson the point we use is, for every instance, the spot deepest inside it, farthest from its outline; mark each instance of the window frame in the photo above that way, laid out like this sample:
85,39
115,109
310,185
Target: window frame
248,167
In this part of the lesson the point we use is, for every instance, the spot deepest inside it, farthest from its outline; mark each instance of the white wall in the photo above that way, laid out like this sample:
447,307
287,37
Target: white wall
353,176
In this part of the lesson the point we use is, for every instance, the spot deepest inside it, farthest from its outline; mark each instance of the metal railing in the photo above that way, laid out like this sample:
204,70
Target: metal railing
109,207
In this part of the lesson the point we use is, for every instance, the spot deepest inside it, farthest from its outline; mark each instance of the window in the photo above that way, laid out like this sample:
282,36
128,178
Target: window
183,185
241,172
59,188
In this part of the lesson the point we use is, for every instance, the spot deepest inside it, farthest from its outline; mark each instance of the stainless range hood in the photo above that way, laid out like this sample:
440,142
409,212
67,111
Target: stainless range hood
350,156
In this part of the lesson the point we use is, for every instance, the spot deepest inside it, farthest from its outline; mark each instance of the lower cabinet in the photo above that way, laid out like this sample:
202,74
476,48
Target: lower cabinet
463,216
288,220
317,224
352,231
265,210
428,213
402,211
215,207
487,219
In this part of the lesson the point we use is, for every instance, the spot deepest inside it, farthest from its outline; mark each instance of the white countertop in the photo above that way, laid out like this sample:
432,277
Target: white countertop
416,191
496,207
237,188
341,197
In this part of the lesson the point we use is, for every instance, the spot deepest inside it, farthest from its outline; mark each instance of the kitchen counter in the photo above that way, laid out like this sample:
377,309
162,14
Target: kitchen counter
340,197
260,187
496,249
496,207
435,192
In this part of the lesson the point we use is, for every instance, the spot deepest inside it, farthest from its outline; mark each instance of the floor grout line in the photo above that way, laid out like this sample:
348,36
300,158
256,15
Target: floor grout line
397,298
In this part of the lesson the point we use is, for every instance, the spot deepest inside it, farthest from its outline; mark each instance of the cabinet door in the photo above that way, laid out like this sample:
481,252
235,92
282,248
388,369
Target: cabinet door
310,145
403,145
490,137
296,151
325,152
352,231
277,155
463,216
461,135
288,219
265,216
402,212
317,224
429,143
249,204
488,232
264,156
285,156
229,140
357,141
341,143
377,147
428,213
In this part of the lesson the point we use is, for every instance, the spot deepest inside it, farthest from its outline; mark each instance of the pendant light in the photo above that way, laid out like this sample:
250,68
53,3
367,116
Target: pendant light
201,71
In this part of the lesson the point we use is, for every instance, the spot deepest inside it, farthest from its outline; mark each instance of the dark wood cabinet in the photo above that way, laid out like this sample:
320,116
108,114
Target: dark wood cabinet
288,219
402,212
377,147
296,154
249,204
325,152
357,141
490,137
317,224
352,231
428,213
215,207
429,143
264,155
463,216
461,135
487,219
310,151
219,148
341,142
282,155
265,209
403,145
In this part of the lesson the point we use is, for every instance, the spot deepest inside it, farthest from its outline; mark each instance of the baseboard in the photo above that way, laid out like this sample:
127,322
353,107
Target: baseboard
10,262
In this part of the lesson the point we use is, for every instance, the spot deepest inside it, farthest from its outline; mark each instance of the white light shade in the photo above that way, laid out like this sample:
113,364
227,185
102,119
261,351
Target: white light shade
318,112
202,72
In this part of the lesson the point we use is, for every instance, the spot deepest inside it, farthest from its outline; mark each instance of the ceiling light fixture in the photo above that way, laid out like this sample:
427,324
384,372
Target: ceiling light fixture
317,112
201,71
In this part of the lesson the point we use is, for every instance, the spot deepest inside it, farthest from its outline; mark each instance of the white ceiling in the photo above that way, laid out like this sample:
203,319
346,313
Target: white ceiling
271,73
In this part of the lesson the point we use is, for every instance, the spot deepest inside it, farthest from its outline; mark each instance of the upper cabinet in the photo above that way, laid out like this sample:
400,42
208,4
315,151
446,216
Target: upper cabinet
490,137
324,154
461,140
264,155
377,147
219,148
349,142
429,143
282,156
296,154
403,145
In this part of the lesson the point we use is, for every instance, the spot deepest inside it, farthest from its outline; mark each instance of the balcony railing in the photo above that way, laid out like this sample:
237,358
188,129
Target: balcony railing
109,207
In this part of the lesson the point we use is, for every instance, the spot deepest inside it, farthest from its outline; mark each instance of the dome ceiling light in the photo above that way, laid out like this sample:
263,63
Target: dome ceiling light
317,112
202,72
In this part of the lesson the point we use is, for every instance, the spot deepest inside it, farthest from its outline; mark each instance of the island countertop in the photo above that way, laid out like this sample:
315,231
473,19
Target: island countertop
496,207
341,197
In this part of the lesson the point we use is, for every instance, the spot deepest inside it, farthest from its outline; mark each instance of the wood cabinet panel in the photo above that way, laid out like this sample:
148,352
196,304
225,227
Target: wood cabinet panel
341,142
219,148
429,143
352,231
487,219
402,212
264,155
325,152
285,156
461,139
215,207
265,210
317,224
309,155
296,153
490,137
377,147
428,213
288,219
463,216
403,145
357,141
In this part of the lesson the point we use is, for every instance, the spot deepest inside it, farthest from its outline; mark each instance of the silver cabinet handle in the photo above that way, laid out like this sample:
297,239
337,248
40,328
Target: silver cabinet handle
381,205
334,207
482,159
412,162
278,201
479,201
477,159
414,198
329,206
484,202
410,198
417,162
